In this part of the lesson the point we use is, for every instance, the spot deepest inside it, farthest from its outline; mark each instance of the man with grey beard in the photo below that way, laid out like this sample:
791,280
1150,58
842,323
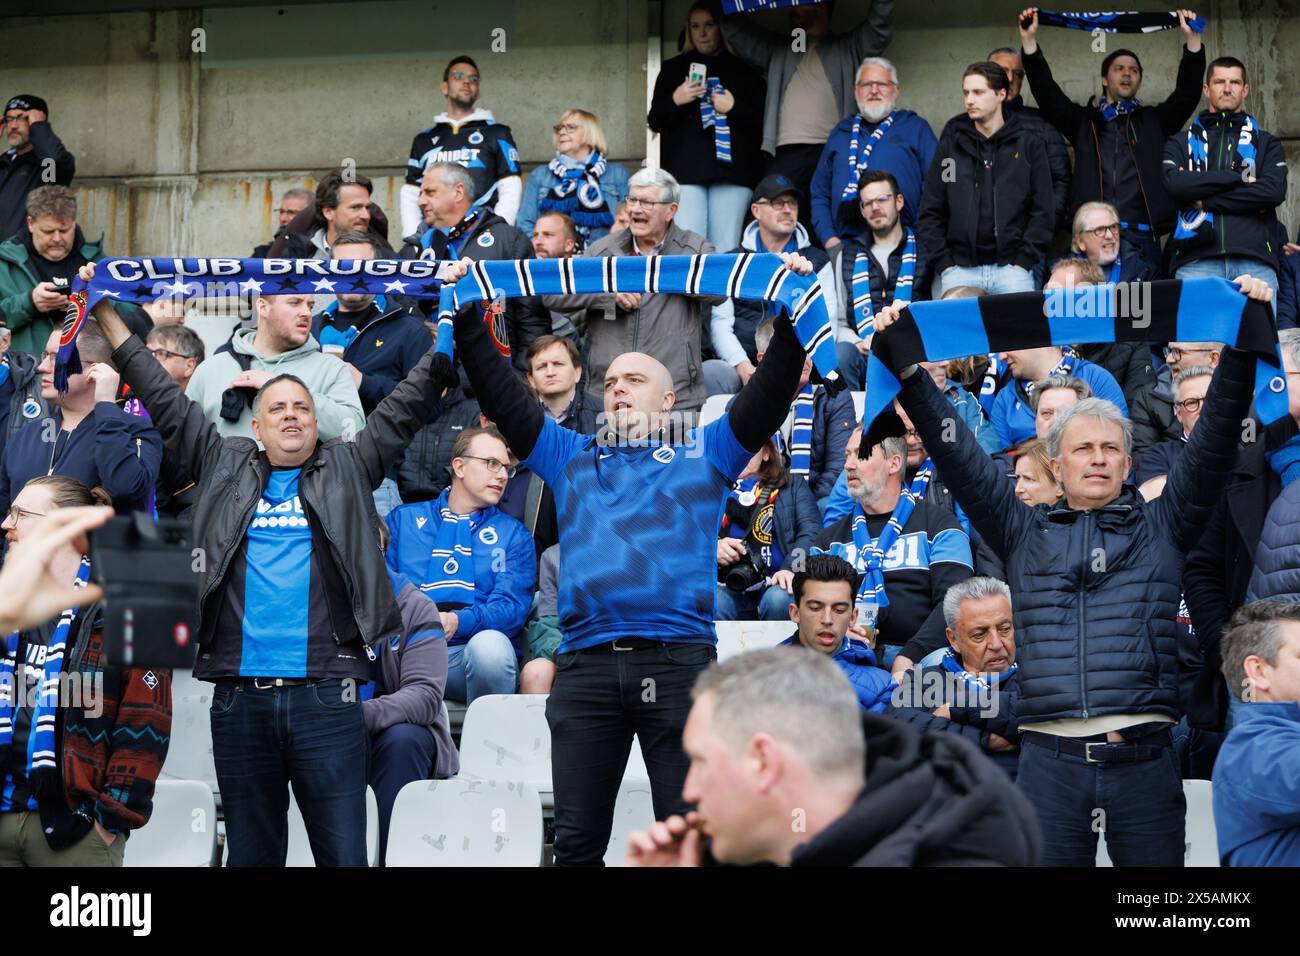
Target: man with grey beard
921,559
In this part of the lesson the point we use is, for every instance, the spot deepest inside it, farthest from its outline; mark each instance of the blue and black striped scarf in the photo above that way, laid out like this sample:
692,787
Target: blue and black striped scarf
1123,21
40,765
1245,142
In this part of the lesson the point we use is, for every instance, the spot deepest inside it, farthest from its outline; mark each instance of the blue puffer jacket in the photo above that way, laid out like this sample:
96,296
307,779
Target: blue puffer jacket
505,566
1095,592
906,150
1277,556
873,685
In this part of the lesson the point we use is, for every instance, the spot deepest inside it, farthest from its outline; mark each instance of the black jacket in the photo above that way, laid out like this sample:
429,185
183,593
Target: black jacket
1218,567
1145,130
1023,219
336,489
387,346
883,287
931,799
834,418
1129,363
19,175
584,412
974,716
1094,639
1245,223
1152,412
491,238
1058,157
425,469
686,147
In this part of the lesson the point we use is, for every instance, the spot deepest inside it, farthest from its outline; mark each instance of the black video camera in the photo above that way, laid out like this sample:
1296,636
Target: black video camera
151,589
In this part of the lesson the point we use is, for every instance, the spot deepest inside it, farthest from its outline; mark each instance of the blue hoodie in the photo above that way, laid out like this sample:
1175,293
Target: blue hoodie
1257,787
906,150
505,566
1013,419
873,685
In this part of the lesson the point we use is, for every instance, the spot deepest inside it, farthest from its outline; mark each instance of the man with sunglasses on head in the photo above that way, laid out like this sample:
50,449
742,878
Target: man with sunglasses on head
475,562
471,137
31,145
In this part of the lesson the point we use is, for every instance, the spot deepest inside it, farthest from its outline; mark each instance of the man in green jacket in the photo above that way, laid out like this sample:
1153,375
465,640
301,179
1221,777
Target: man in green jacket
38,264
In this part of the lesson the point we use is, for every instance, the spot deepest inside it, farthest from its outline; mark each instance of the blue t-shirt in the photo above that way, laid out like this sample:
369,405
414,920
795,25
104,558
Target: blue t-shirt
277,582
638,532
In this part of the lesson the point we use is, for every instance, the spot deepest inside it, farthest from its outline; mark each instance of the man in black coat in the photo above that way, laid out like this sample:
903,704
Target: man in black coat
785,769
1058,157
455,228
1119,143
32,147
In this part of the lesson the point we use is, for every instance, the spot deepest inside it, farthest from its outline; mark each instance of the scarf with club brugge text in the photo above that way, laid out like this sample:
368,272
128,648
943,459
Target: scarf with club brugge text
858,158
578,194
872,553
745,275
1122,21
144,280
40,765
1246,145
1191,310
710,117
863,308
749,6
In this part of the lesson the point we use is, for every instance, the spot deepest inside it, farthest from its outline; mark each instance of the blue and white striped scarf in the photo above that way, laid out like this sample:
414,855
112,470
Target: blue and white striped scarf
41,761
860,155
977,682
872,590
801,432
1192,221
711,117
578,194
863,307
742,275
449,578
748,6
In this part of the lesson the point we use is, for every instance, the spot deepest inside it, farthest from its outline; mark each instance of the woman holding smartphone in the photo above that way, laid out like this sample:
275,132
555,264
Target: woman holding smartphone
708,112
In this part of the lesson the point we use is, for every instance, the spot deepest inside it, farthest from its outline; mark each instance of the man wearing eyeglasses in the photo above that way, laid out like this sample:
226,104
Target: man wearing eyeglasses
23,167
471,137
293,202
1096,237
1190,386
475,562
876,136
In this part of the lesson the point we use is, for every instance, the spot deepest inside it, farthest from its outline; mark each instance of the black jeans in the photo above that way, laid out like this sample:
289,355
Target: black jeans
312,736
1140,806
798,161
600,699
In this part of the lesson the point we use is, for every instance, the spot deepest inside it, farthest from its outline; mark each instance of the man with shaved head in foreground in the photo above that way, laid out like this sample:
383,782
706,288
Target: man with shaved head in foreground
639,516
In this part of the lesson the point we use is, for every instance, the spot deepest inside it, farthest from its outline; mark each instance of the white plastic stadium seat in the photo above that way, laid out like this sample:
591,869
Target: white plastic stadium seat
1202,841
634,810
714,406
189,751
506,737
736,637
182,830
466,822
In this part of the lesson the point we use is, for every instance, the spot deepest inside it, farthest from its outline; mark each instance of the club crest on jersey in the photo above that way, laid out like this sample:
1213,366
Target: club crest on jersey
31,408
494,317
488,536
763,524
487,240
474,138
664,454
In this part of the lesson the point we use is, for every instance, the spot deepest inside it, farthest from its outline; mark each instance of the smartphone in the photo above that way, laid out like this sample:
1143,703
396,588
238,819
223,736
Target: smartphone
697,74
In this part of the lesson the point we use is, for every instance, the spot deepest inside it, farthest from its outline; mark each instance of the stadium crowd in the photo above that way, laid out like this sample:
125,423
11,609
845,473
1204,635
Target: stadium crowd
1073,572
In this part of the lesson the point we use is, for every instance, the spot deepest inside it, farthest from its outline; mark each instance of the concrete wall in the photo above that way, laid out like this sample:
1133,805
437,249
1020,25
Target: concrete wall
183,152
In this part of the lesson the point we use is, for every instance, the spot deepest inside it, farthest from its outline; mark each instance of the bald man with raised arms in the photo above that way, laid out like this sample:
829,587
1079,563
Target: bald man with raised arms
639,516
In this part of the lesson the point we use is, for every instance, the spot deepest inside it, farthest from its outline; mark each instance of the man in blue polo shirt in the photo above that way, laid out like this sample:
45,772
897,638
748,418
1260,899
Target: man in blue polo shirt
475,562
639,515
1012,413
